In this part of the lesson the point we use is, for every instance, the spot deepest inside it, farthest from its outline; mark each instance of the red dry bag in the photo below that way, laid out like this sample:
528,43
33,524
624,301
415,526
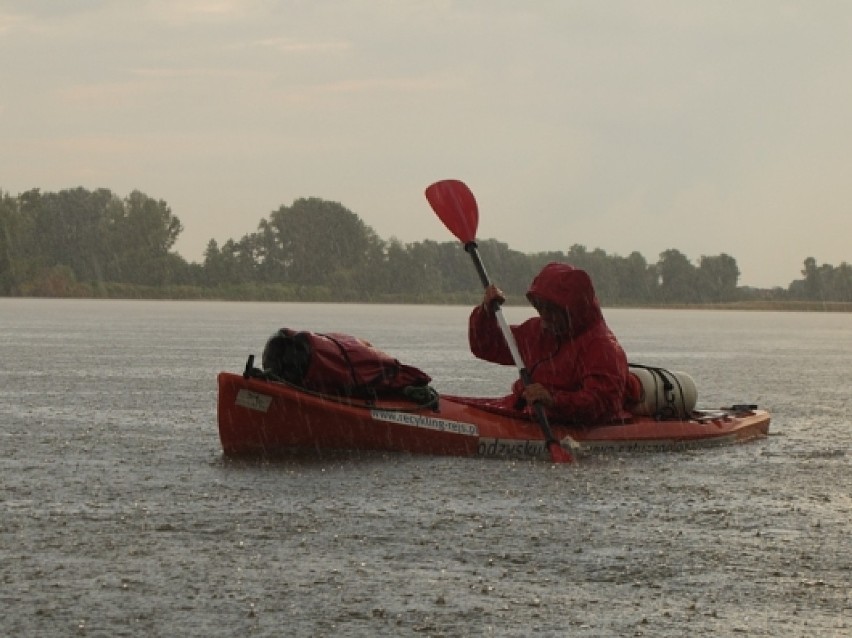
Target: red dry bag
336,363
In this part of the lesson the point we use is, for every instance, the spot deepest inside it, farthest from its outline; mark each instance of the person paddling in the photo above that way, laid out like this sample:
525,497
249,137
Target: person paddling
579,370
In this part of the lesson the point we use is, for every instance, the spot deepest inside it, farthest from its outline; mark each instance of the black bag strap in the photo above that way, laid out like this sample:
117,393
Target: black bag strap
346,358
664,376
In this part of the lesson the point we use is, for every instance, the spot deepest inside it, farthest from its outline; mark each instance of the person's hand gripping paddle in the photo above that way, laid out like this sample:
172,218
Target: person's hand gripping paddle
455,206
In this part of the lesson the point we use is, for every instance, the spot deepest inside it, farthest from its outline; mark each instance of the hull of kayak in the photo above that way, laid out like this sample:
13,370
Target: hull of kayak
267,419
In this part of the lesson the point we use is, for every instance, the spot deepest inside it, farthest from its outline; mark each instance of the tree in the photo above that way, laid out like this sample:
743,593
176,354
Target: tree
823,283
141,233
637,280
812,286
718,277
427,268
841,283
678,277
399,272
232,264
73,227
16,237
314,242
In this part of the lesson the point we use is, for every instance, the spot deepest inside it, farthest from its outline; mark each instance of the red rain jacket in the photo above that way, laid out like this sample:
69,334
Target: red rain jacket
585,371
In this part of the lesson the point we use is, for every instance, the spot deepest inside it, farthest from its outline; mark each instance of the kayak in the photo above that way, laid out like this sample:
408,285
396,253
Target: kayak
258,417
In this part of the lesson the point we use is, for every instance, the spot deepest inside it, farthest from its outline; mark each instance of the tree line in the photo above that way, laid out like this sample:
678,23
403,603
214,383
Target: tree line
78,242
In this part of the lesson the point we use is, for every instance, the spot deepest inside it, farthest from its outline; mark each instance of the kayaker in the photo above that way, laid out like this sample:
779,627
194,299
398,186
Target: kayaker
578,368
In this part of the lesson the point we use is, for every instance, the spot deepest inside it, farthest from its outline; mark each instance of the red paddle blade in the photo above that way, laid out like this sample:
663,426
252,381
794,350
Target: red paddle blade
455,205
559,454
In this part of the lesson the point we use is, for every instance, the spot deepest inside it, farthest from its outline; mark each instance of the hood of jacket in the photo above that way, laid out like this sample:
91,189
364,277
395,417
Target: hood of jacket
571,289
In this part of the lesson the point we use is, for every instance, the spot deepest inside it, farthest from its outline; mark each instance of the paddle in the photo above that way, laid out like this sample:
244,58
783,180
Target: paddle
456,207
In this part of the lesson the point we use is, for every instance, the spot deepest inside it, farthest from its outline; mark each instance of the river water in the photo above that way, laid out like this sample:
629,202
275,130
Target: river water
119,516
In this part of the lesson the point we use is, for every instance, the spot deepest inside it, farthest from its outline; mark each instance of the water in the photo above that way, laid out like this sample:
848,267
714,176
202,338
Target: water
119,517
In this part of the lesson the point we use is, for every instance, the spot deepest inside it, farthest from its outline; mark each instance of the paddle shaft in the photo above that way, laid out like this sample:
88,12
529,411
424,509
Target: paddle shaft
455,205
471,248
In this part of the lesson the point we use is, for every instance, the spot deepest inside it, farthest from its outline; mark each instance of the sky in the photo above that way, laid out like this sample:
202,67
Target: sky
643,125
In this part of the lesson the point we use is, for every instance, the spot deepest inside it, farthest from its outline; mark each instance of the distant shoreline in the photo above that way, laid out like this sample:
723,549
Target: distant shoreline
755,305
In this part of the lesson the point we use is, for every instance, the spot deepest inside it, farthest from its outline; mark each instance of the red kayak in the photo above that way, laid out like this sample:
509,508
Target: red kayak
263,418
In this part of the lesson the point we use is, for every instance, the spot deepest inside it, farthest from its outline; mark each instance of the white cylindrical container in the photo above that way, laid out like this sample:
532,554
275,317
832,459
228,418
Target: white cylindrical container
665,394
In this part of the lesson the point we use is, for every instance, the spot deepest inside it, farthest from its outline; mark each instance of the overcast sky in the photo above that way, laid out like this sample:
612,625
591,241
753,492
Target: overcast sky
706,126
